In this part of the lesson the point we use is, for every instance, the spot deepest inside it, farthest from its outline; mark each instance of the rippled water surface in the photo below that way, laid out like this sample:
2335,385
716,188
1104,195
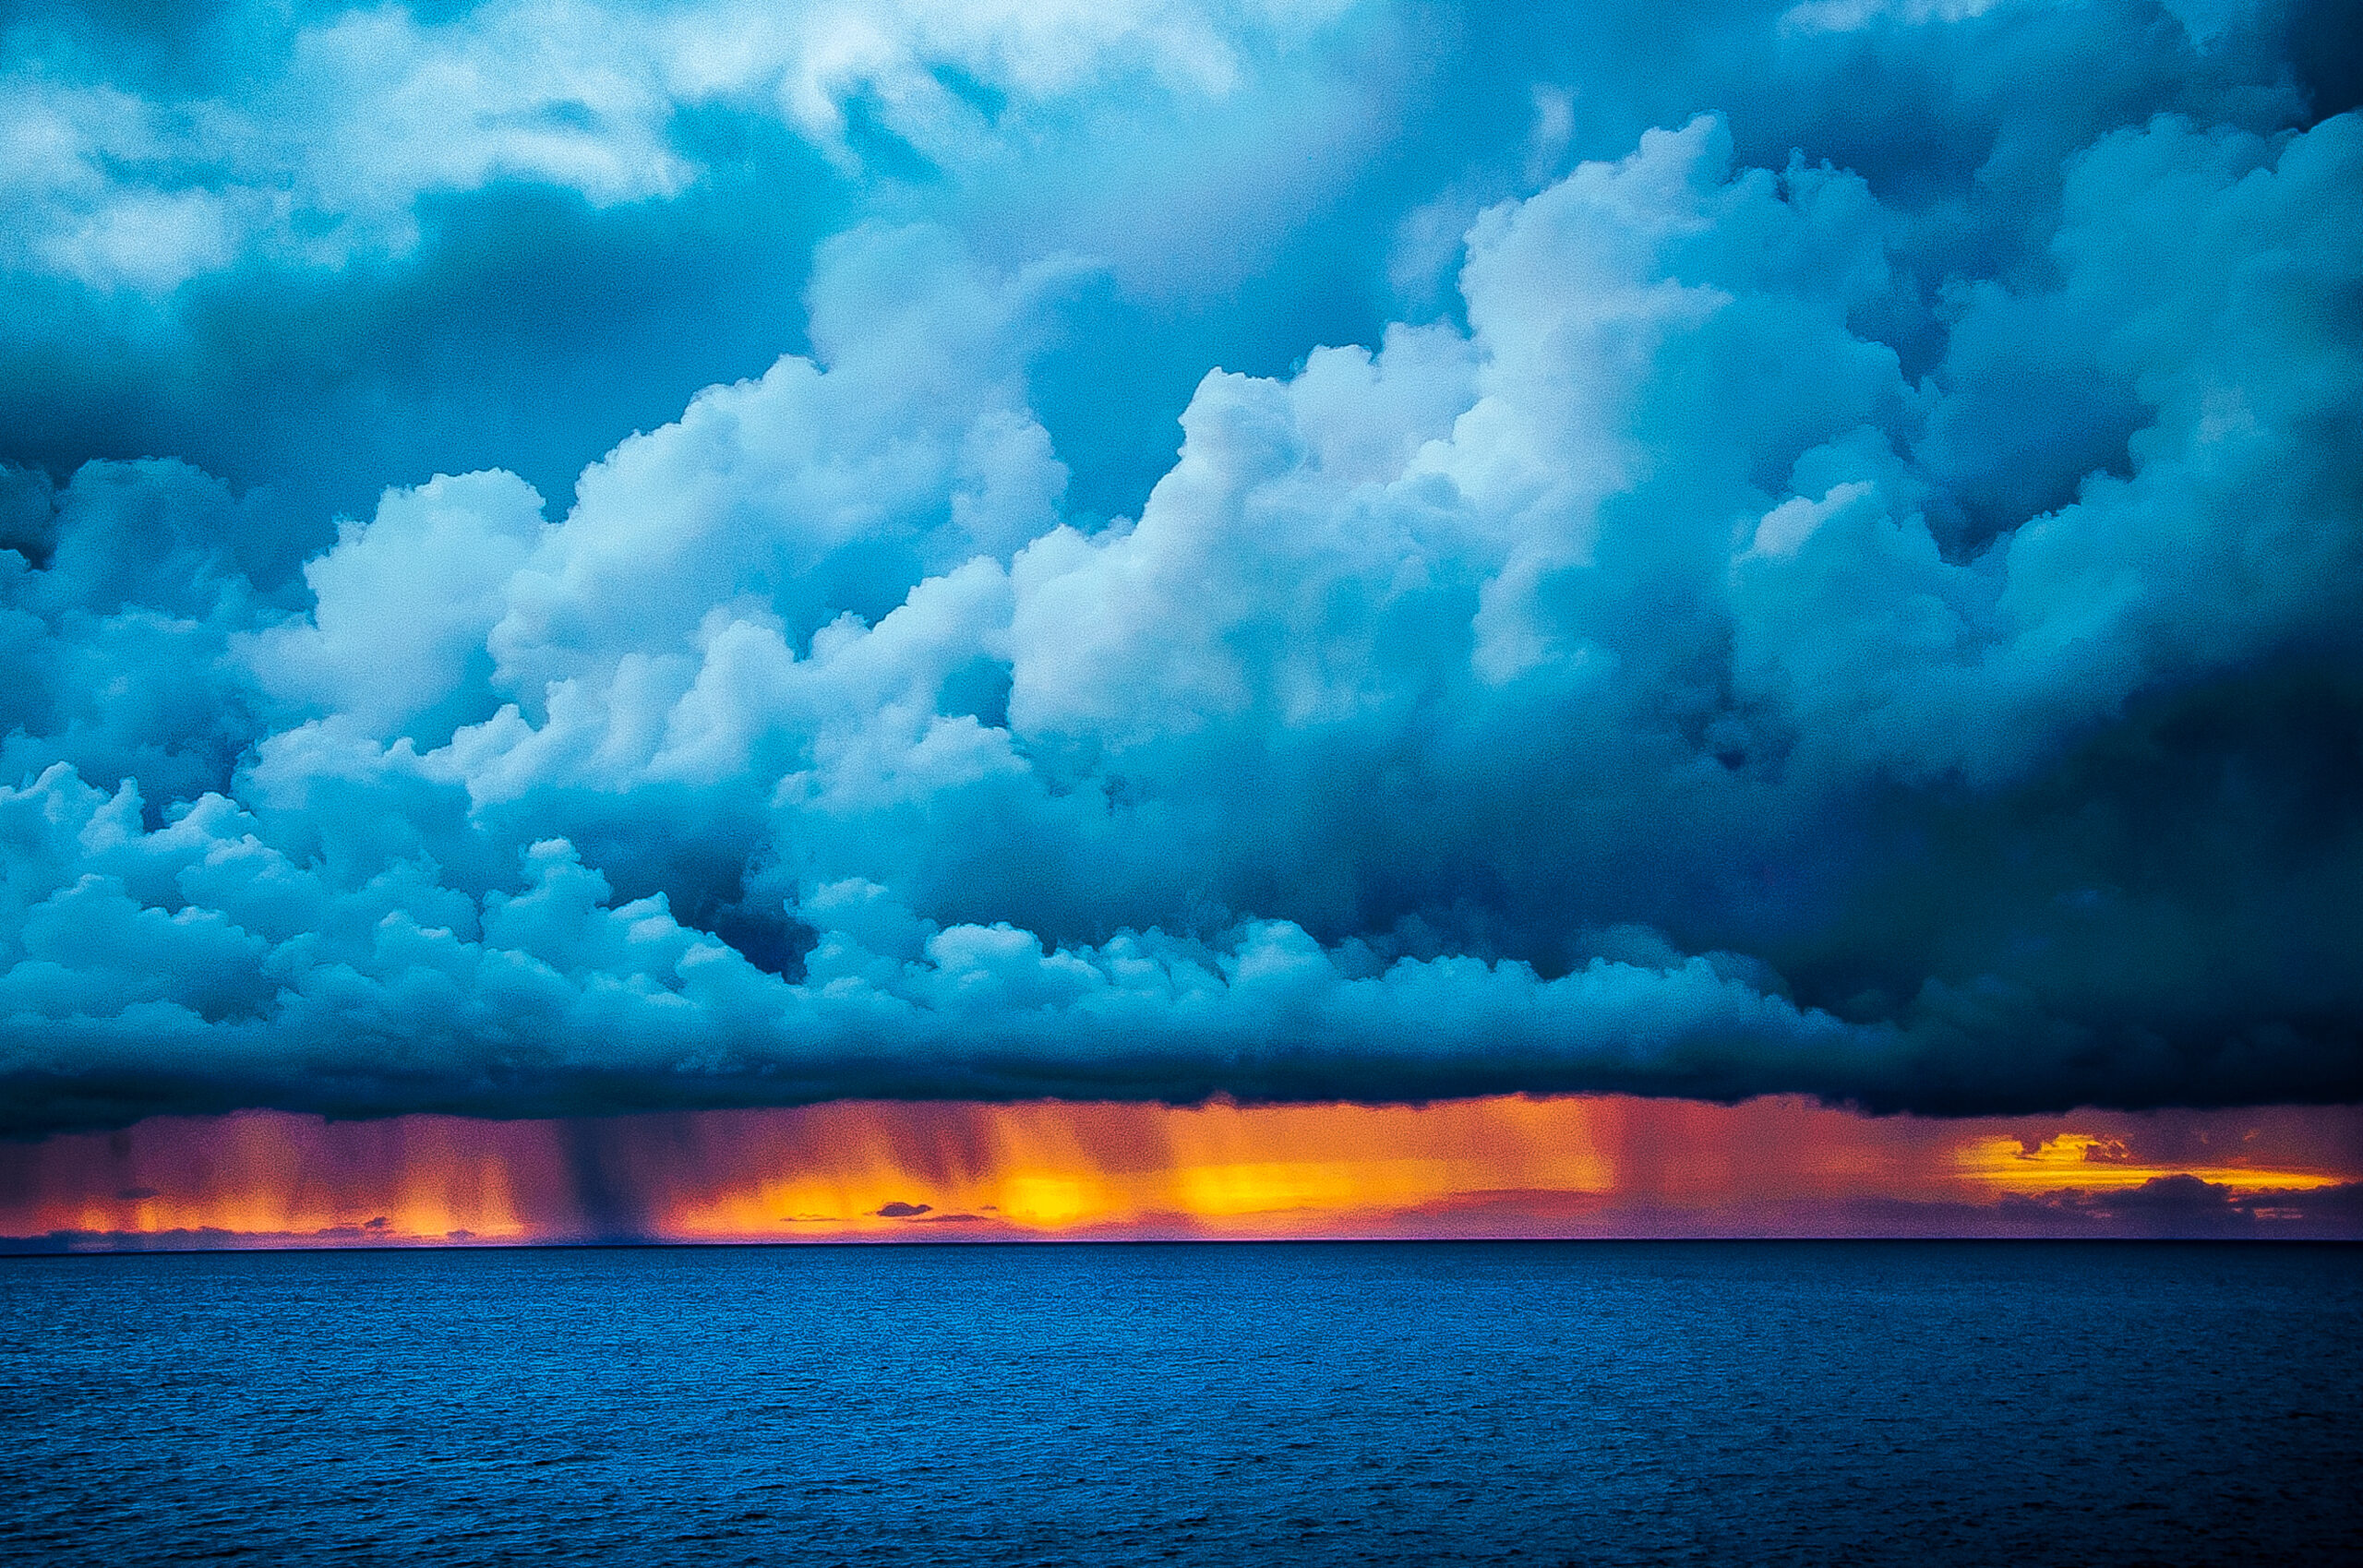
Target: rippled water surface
1551,1403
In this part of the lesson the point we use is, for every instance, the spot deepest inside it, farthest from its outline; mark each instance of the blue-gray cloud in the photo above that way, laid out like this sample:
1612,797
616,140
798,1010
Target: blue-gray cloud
1878,626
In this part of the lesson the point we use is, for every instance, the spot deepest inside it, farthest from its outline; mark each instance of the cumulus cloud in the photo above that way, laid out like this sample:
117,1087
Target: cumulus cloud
1664,672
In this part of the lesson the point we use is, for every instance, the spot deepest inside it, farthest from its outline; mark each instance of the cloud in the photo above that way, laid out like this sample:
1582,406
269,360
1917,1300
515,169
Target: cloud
330,131
330,249
319,253
402,606
2187,1206
123,591
269,983
1663,671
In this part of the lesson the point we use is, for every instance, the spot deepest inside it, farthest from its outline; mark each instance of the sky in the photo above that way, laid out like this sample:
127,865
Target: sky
1597,1167
563,560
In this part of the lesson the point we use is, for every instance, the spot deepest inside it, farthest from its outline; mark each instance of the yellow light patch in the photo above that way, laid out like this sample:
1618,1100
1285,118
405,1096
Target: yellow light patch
2087,1162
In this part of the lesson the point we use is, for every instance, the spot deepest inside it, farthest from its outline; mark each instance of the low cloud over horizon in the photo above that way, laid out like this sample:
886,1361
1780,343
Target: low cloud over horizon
1842,605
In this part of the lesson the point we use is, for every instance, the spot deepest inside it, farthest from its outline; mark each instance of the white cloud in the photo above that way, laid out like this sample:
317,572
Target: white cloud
403,605
320,150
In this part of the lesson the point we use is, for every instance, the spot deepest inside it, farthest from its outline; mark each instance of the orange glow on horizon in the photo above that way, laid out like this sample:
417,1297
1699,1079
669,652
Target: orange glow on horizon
2087,1162
1506,1165
1054,1168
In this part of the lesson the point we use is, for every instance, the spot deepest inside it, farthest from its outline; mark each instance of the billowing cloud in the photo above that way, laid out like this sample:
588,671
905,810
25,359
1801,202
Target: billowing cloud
1712,657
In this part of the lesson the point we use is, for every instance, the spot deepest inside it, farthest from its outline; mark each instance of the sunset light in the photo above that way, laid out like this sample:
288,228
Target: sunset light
1511,1165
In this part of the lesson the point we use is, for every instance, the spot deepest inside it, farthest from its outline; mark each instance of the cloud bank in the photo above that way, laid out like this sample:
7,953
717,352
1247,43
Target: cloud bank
1763,633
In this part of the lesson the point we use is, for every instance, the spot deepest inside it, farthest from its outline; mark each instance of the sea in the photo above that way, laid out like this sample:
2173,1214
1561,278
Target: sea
1261,1402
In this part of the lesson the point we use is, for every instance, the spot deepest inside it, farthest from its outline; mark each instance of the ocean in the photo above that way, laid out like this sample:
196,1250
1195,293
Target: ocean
1389,1403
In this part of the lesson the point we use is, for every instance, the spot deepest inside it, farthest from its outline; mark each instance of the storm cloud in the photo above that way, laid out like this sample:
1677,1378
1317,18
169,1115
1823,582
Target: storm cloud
1774,602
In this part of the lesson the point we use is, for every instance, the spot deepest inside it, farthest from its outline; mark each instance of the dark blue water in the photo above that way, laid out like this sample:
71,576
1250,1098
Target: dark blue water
1549,1403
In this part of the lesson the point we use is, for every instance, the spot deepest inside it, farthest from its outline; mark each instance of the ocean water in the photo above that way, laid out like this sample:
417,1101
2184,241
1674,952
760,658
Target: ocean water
1579,1403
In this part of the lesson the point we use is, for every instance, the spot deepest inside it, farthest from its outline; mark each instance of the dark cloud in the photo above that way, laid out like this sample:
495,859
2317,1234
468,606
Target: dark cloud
2185,1206
1852,593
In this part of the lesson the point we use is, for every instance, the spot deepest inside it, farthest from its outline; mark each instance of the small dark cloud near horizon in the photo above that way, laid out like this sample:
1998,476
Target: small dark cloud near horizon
1796,548
2189,1206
